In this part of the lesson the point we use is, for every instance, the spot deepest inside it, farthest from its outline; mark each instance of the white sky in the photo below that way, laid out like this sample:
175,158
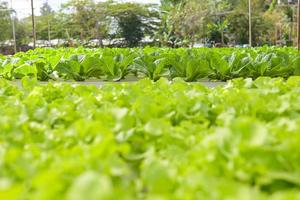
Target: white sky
23,6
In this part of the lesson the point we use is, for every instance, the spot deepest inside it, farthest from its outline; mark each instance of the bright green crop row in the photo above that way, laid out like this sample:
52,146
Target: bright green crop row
151,140
116,64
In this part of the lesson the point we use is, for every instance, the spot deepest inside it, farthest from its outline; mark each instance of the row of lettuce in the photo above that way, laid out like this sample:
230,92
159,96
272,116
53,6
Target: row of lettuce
151,140
116,64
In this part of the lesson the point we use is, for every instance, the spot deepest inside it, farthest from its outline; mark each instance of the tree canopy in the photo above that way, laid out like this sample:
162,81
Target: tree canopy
173,23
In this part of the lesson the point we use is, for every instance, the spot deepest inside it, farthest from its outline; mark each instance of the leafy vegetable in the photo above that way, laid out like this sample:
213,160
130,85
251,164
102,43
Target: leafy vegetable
116,64
150,140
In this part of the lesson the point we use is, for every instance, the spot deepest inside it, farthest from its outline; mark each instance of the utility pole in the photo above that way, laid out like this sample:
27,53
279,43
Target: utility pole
49,28
49,34
250,24
298,35
13,26
33,25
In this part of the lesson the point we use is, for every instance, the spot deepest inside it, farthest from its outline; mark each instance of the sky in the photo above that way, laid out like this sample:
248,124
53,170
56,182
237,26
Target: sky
23,6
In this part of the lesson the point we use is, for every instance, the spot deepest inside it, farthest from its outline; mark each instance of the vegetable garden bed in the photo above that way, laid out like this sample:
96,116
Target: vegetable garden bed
210,84
150,140
118,64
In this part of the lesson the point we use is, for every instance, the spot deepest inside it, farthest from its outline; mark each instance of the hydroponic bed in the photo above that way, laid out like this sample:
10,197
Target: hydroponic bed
132,64
150,140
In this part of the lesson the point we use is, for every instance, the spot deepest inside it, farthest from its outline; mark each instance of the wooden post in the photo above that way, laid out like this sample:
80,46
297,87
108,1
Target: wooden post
13,26
49,32
250,24
33,25
298,35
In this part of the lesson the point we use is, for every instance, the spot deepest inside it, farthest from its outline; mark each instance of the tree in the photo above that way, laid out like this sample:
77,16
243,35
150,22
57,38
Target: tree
87,19
46,9
194,19
171,3
184,22
81,17
23,31
5,22
165,33
134,21
239,21
219,29
45,21
131,28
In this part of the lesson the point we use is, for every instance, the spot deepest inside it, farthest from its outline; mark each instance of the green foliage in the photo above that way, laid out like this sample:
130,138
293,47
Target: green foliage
173,23
151,64
134,21
131,29
45,22
5,22
150,140
116,64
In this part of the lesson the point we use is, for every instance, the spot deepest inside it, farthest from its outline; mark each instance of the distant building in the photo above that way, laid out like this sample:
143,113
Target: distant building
287,1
